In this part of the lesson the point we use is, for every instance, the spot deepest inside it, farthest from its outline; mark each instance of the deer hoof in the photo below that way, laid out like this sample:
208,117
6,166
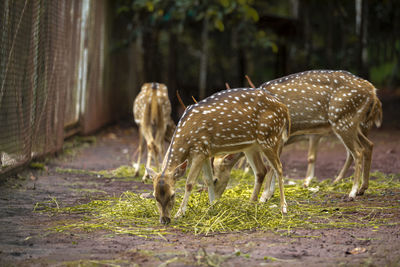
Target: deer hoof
284,210
145,178
179,214
265,198
165,220
350,198
307,182
360,192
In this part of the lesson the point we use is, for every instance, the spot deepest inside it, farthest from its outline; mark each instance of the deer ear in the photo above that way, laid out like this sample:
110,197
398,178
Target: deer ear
180,170
231,158
151,173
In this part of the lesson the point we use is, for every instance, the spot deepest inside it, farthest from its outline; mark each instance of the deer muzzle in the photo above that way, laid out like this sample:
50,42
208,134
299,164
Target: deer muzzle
165,220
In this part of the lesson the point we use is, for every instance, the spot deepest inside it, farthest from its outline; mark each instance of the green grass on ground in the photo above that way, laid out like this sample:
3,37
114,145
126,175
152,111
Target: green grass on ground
322,205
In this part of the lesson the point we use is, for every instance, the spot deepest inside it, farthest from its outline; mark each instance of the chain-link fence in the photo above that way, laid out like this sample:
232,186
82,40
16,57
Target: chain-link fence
52,57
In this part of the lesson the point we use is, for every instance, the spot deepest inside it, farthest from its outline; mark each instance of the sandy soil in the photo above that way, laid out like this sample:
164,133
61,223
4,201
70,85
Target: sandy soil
25,241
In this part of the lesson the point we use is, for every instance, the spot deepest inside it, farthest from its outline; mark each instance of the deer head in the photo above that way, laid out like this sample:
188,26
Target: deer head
164,192
222,167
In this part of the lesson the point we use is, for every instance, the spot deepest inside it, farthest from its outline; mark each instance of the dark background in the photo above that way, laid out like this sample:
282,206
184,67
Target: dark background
73,67
197,46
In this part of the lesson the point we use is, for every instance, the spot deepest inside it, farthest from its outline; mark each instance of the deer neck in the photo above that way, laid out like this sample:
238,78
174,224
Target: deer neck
177,153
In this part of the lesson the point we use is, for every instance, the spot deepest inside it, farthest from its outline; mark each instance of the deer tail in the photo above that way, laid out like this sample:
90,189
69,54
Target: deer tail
286,131
378,114
154,105
375,112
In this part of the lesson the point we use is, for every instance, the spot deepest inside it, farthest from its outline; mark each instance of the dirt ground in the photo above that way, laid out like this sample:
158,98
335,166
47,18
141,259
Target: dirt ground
25,240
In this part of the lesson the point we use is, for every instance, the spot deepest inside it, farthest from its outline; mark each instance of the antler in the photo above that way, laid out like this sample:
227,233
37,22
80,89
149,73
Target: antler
249,81
180,99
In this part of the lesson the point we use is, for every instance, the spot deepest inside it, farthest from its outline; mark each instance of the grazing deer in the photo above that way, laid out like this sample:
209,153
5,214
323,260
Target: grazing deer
321,102
245,119
152,114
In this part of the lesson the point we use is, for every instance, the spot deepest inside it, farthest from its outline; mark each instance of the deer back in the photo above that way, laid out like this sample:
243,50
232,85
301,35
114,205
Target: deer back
319,99
152,105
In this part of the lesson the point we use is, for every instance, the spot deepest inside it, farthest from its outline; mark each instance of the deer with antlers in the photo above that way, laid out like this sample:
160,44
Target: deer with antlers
152,114
244,119
321,102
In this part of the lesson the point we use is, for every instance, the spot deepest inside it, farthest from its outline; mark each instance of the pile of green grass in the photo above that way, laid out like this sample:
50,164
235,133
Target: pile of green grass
321,206
123,171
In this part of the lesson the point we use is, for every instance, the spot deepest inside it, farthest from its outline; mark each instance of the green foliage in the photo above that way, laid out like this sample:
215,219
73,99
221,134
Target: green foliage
70,146
264,39
174,14
320,206
37,165
383,72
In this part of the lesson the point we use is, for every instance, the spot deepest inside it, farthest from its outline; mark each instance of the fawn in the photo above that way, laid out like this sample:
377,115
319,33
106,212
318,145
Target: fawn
242,119
152,114
320,102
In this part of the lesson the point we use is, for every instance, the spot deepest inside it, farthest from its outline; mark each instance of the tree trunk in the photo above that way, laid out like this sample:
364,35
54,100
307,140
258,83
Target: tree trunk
152,64
203,60
329,35
139,60
361,31
242,67
306,38
172,80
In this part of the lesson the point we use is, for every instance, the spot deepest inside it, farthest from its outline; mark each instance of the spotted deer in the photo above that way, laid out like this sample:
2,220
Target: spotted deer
320,102
152,114
243,119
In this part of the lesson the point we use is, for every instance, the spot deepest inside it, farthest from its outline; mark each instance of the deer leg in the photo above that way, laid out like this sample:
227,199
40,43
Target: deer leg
160,134
194,172
150,148
242,164
137,166
155,156
346,166
207,172
162,151
269,187
270,183
357,174
276,165
259,170
367,157
312,156
353,146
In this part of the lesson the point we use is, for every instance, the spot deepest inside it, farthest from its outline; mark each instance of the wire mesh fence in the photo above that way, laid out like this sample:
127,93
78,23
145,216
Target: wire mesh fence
51,74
